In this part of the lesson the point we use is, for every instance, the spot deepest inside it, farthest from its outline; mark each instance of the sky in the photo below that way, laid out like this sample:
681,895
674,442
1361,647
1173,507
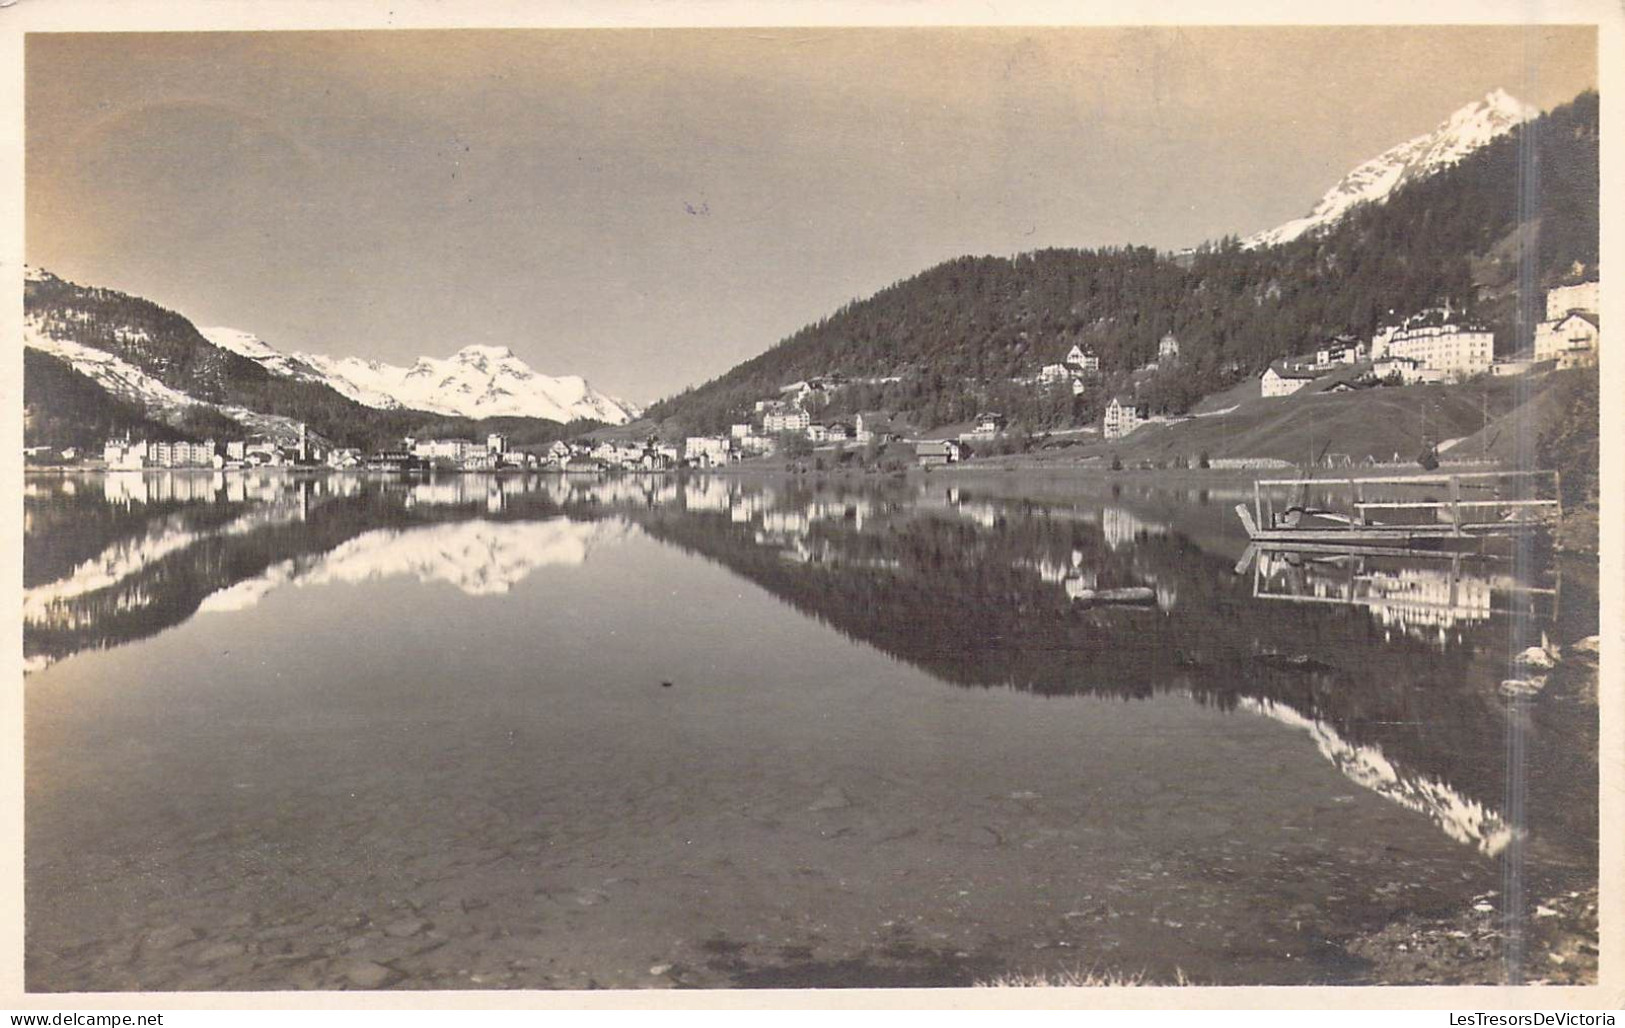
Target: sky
648,207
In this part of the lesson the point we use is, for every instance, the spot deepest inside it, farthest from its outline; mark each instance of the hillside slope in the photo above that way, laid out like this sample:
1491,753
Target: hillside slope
951,333
1382,424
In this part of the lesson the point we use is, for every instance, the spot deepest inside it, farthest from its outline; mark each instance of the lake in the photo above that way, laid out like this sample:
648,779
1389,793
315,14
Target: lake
290,732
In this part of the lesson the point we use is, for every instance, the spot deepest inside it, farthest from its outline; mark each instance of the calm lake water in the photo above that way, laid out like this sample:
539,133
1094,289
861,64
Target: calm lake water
479,732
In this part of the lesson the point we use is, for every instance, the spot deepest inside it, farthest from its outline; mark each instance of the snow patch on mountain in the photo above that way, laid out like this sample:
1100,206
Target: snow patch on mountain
475,382
128,382
1374,181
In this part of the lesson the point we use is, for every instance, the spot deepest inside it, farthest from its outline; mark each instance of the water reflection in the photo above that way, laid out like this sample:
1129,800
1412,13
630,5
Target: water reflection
1390,663
1431,597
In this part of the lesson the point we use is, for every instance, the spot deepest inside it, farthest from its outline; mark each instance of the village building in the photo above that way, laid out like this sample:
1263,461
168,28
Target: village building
344,457
1512,366
1284,379
453,450
1123,415
1341,349
817,432
937,452
873,426
798,393
1456,351
1407,368
785,419
1082,360
393,460
1571,340
1050,374
1564,300
1168,348
706,451
838,431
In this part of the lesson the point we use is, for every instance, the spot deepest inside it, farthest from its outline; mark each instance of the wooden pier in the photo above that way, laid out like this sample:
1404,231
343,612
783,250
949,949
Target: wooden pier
1384,511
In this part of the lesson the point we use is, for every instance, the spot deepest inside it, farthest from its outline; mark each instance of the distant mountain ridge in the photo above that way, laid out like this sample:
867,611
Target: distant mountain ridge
475,382
1468,129
100,361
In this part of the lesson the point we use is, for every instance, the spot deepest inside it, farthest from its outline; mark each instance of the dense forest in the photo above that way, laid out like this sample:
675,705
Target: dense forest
67,408
1521,211
62,408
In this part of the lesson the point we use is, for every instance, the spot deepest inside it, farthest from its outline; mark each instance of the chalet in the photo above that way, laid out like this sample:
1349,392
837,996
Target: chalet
344,458
1572,340
936,452
1123,415
1341,350
838,431
990,423
1284,380
874,426
1082,360
1050,374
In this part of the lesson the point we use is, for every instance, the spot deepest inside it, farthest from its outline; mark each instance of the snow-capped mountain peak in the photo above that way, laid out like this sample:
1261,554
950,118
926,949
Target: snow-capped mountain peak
478,381
1464,131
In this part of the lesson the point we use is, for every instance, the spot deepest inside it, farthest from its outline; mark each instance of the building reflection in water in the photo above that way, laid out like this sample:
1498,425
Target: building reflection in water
1435,598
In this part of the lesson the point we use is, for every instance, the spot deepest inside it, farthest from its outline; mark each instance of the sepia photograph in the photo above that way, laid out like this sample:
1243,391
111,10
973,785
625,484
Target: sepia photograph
818,508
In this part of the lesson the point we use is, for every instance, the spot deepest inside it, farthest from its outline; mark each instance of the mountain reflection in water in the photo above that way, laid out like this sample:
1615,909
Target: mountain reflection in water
1391,665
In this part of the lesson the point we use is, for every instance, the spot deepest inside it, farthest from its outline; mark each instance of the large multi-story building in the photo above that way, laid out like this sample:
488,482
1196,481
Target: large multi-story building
1123,415
1458,351
454,450
705,451
1563,300
785,419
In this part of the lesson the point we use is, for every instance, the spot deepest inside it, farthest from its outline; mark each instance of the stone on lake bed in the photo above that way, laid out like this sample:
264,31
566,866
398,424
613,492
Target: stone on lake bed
404,928
832,798
364,974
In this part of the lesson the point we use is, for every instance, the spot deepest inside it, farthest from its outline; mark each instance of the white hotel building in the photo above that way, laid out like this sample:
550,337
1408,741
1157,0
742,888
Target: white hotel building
1458,351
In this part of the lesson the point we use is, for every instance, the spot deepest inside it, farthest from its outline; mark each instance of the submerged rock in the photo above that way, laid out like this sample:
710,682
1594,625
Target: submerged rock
832,798
364,974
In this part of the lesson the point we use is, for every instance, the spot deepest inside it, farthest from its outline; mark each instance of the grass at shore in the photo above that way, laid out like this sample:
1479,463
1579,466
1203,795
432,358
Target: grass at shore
1079,978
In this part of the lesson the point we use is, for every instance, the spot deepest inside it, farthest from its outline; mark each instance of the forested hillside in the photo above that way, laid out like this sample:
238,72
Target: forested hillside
956,335
61,408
